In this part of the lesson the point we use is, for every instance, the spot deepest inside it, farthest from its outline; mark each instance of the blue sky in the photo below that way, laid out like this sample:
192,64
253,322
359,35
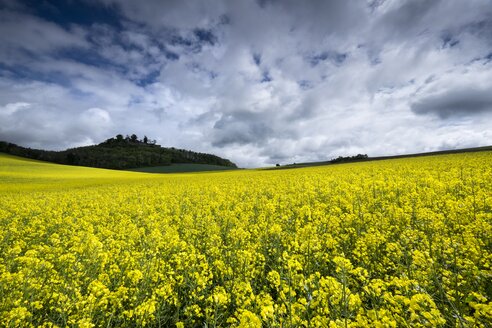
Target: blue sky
258,82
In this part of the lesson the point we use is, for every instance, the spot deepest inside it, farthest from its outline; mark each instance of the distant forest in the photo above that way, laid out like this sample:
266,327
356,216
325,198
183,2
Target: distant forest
118,153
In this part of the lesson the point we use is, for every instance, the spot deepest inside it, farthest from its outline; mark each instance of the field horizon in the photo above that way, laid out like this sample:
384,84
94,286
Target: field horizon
191,167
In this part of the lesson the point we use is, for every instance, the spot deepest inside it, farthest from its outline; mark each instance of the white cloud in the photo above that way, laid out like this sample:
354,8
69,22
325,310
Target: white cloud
26,36
12,108
303,82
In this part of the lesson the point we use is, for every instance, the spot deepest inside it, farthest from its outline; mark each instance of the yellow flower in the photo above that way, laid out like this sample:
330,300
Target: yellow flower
248,319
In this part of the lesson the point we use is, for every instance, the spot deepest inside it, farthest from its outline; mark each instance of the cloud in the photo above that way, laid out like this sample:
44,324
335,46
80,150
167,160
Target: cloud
26,36
307,81
241,128
461,102
12,108
96,117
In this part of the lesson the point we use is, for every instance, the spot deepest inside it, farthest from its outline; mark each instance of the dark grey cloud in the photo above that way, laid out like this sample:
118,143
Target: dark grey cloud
258,82
404,18
241,127
455,102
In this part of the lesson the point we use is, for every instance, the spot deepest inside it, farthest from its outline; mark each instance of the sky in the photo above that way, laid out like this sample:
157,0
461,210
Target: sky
258,82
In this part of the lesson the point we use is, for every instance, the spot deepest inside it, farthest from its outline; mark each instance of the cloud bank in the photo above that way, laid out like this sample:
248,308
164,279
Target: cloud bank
258,82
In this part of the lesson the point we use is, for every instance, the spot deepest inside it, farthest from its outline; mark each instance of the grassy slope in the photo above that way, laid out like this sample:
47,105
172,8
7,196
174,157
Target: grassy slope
22,174
176,168
379,158
18,173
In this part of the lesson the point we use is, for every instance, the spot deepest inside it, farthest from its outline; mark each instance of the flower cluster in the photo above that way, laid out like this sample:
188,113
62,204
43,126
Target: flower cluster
395,243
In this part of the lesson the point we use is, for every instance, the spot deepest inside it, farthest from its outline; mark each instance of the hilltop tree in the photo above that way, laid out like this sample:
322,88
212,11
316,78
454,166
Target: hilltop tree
118,153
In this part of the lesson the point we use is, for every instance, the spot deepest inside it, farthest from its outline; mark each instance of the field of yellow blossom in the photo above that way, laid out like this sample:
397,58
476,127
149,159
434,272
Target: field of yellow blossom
396,243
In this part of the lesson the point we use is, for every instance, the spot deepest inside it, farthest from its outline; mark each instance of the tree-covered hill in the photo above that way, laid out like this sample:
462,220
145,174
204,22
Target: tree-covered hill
118,153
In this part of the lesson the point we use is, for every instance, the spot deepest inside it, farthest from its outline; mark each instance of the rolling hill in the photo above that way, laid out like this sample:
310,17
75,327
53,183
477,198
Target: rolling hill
365,158
119,153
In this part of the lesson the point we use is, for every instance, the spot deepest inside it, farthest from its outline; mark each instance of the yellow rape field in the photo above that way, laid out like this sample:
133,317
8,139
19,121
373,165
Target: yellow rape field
397,243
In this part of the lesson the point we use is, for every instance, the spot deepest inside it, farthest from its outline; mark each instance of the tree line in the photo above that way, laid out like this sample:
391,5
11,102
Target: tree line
120,152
